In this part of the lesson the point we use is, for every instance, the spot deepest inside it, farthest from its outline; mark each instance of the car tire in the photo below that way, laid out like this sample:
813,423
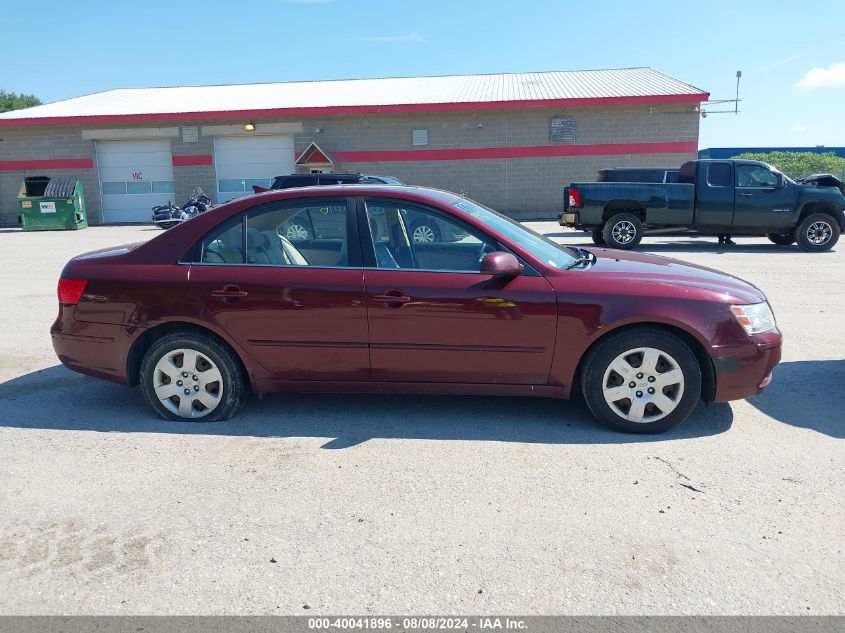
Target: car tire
782,239
598,238
623,230
213,377
817,232
611,368
423,232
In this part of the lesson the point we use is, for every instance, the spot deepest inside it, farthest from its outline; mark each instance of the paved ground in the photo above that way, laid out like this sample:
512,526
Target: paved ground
353,504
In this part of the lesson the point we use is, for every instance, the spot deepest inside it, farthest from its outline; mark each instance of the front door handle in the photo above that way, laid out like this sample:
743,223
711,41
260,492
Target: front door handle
229,292
746,194
392,299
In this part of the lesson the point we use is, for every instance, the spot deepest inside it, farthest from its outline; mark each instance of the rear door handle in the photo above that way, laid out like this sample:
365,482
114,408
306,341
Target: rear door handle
392,299
746,194
229,291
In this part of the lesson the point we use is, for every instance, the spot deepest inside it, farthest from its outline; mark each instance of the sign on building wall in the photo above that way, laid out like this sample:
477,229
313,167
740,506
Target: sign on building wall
562,130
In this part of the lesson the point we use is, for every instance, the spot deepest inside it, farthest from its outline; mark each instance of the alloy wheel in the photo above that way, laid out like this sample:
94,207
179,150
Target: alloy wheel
423,234
643,385
297,232
819,233
624,232
188,383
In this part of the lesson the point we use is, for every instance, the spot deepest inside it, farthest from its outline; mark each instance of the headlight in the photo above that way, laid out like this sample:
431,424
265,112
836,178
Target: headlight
755,318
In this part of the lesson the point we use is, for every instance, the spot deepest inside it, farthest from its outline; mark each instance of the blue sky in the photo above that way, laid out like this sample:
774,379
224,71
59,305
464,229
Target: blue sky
792,56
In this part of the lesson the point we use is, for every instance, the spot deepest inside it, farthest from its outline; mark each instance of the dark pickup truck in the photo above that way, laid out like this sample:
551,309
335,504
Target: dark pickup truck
711,196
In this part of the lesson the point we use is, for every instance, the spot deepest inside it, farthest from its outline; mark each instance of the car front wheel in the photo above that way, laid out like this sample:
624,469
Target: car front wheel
192,377
623,230
817,232
642,380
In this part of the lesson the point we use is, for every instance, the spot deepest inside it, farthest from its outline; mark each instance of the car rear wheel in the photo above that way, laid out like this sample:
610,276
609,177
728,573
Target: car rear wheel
623,230
782,239
817,232
642,380
191,377
598,238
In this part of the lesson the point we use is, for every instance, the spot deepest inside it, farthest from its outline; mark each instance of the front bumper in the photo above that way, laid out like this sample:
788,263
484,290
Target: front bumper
744,371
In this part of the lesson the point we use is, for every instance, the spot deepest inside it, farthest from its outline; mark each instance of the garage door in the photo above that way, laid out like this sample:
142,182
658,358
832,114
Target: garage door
244,161
134,177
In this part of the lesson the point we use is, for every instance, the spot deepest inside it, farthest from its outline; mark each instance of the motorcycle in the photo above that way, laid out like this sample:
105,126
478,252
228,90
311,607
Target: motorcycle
168,215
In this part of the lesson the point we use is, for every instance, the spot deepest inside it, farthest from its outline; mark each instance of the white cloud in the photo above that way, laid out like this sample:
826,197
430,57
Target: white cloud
833,75
799,128
411,37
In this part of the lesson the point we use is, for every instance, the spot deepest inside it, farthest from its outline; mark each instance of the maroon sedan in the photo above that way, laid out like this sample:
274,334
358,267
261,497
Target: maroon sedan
228,302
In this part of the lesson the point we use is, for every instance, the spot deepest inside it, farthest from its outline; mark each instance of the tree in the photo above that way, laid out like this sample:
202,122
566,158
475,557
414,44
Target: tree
800,164
13,101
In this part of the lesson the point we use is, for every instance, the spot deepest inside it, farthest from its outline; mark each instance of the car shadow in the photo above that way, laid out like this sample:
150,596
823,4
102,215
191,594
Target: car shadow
57,399
807,394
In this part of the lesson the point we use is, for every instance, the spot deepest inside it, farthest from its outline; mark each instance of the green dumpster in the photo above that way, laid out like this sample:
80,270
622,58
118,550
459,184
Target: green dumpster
49,204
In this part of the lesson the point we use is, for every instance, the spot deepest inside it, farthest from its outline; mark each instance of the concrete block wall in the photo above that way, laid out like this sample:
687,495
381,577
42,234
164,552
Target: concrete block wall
521,187
47,143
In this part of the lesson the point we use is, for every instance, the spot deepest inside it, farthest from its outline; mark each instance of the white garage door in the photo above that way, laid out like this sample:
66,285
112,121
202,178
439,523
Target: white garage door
244,161
134,177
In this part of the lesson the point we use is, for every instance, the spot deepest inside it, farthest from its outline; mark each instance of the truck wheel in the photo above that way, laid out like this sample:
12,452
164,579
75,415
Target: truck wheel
782,239
598,238
817,232
641,380
623,230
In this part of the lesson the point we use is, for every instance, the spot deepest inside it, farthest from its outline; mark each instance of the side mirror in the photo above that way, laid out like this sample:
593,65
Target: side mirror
781,182
501,264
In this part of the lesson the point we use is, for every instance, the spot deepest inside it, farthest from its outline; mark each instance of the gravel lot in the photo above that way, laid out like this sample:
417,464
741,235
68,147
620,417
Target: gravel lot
359,504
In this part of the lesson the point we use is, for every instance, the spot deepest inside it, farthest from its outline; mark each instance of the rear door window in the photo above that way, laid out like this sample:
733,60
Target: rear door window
719,175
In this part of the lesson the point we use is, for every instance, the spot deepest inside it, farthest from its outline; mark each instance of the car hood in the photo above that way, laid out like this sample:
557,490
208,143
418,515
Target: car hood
641,268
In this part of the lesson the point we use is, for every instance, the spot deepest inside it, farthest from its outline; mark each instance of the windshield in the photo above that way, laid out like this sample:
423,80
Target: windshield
543,248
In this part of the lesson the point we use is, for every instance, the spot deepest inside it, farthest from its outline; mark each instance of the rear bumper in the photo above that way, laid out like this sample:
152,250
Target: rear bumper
95,349
744,371
568,218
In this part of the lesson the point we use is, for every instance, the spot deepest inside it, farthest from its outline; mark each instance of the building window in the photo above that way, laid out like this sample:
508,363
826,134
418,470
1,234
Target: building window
137,187
419,137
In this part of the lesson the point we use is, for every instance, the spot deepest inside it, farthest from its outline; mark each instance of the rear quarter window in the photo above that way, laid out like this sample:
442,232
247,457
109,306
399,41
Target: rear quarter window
719,175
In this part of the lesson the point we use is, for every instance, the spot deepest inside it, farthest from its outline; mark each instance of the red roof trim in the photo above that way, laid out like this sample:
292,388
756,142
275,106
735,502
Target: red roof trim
363,109
52,163
532,151
191,160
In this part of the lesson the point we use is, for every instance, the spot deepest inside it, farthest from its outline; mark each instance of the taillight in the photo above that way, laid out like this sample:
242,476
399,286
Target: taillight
574,198
70,290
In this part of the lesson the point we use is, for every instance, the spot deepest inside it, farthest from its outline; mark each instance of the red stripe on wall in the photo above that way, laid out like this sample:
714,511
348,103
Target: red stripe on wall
191,161
532,151
53,163
361,109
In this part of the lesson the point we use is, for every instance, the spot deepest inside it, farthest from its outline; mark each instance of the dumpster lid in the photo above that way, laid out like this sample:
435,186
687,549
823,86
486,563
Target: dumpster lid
60,188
